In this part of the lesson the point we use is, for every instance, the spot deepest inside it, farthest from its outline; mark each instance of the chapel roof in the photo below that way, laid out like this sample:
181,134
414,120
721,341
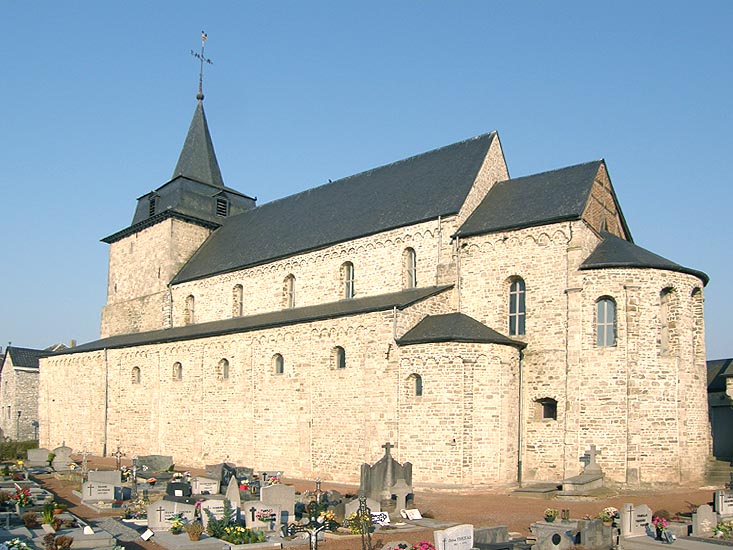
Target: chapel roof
615,252
24,357
320,312
406,192
538,199
718,371
454,327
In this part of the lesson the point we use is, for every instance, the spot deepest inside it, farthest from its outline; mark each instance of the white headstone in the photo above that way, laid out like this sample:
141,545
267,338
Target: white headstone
282,496
232,493
111,477
204,485
256,515
91,491
161,512
459,537
723,501
213,507
704,521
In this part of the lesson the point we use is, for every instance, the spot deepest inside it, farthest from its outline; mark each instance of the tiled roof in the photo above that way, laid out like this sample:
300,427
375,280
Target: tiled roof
410,191
25,357
718,371
454,327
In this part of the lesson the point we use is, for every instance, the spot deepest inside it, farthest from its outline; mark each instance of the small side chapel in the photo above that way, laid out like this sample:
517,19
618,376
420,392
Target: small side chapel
493,328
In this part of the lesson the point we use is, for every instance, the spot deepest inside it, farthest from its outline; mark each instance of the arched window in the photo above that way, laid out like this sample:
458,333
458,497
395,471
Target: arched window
289,291
347,280
517,307
278,363
409,268
135,375
223,370
189,313
177,371
547,408
605,322
237,306
416,384
338,358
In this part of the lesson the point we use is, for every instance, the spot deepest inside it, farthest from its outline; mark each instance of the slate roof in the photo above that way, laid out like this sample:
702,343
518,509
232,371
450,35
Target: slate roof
410,191
539,199
718,371
342,308
24,357
615,252
454,327
197,160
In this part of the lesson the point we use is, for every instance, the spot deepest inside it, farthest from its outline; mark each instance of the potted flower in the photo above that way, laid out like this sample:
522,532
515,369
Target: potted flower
21,498
194,530
551,514
30,520
64,542
176,524
423,545
16,544
608,515
661,524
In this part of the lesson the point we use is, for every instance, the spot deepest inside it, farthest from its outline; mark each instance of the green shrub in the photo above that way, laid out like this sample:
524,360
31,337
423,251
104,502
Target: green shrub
14,450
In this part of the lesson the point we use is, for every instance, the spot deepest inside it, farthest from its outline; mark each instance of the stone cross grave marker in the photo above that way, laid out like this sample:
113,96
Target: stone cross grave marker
459,537
204,486
160,513
91,491
256,513
589,460
723,502
111,477
704,521
282,496
400,489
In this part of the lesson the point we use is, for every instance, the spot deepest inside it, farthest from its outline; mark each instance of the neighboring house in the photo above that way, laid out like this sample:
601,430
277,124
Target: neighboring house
720,401
492,328
19,393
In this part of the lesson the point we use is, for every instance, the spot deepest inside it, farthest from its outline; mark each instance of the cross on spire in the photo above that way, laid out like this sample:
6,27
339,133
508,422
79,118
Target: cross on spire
202,59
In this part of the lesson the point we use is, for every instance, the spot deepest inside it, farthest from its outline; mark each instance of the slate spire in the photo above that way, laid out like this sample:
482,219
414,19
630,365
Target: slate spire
198,160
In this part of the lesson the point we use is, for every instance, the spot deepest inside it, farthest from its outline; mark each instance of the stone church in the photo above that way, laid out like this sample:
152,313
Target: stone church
491,328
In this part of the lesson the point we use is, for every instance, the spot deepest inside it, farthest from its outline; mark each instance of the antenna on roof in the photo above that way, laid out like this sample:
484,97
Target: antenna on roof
202,59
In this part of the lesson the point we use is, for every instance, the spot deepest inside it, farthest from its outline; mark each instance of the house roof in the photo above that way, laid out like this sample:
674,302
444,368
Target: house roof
718,371
384,198
454,327
24,357
615,252
342,308
539,199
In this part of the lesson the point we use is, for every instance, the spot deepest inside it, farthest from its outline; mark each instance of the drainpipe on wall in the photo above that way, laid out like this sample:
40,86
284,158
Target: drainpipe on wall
106,401
458,271
521,422
394,322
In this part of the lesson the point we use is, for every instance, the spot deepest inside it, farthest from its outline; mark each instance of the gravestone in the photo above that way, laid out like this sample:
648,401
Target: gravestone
377,480
242,472
91,491
723,502
204,486
110,477
282,496
704,521
214,506
401,491
636,521
593,535
62,460
590,479
232,493
160,513
491,535
37,457
253,512
459,537
155,463
353,505
178,489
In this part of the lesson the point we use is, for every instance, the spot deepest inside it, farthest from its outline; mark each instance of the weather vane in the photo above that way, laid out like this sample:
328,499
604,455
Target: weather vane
202,59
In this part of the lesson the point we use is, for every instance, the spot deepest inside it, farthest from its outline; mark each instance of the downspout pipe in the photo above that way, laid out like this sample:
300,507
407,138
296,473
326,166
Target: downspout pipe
520,438
106,401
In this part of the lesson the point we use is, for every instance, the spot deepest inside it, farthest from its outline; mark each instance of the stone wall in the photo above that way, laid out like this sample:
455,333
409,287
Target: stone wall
18,393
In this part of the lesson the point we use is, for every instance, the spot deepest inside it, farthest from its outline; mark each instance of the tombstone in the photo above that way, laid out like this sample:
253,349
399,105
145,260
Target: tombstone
459,537
401,491
723,503
704,521
123,493
491,535
590,479
178,489
155,463
377,480
37,457
91,491
636,521
282,496
211,507
161,512
232,493
593,534
62,459
242,472
111,477
253,516
353,506
204,486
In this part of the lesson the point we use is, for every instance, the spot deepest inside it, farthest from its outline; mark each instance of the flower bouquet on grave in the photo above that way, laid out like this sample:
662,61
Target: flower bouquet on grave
608,515
22,497
266,515
236,534
661,524
14,544
423,545
551,514
176,524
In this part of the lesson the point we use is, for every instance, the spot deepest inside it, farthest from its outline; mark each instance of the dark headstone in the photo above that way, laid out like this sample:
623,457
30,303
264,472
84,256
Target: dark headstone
178,488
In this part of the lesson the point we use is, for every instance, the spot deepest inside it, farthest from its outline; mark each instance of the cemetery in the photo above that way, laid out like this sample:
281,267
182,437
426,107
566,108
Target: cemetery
233,507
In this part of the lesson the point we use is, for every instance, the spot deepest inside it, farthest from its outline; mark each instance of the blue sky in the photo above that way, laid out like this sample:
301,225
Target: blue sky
97,98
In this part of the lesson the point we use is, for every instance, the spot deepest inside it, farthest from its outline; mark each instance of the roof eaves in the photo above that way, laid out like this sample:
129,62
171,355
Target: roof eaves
157,218
515,227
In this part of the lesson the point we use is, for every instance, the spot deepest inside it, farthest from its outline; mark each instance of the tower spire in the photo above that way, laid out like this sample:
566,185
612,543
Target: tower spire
202,59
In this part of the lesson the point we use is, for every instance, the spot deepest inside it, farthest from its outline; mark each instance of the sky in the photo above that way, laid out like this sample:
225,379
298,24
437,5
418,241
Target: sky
98,96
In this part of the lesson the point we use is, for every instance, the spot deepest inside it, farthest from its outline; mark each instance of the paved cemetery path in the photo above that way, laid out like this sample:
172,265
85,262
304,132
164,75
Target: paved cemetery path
482,508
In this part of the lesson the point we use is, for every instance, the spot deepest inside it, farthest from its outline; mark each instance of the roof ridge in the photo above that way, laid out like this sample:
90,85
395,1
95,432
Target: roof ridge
561,169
